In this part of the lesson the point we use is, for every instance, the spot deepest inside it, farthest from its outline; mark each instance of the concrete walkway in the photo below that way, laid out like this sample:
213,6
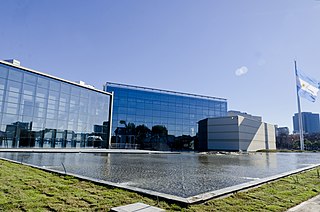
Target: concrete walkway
310,205
84,150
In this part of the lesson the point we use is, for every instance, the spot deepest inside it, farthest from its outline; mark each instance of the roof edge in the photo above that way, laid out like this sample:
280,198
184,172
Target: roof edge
166,91
52,77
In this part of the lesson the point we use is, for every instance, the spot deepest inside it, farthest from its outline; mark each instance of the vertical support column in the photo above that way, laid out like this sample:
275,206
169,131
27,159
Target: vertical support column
110,119
53,138
41,141
64,138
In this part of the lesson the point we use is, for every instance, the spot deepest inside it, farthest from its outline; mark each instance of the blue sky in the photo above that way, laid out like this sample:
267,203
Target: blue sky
242,50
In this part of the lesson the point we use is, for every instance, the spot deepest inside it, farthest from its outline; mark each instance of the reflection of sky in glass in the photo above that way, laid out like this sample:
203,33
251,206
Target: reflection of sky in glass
44,102
49,103
182,175
179,113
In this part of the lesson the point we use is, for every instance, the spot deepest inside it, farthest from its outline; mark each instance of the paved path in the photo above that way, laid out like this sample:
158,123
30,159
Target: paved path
310,205
85,150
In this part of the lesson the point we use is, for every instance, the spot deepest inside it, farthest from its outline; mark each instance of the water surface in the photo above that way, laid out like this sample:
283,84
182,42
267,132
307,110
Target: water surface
183,175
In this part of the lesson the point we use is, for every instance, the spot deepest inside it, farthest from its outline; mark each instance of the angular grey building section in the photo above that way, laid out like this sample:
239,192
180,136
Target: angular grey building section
43,111
310,122
235,133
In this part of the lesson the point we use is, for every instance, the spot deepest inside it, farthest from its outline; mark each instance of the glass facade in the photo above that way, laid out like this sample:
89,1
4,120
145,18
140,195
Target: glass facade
178,112
310,122
37,110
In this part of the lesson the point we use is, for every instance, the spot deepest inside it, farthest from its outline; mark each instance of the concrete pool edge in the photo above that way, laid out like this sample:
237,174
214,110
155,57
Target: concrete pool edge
251,184
188,200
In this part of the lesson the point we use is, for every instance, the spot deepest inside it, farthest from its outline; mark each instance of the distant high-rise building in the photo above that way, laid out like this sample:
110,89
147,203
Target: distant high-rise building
282,131
310,122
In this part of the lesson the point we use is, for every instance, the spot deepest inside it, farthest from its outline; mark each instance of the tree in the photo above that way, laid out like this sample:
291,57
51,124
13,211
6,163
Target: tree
142,132
159,130
129,128
123,122
183,142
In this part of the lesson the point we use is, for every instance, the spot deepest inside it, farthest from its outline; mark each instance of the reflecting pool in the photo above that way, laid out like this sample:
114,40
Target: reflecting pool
182,175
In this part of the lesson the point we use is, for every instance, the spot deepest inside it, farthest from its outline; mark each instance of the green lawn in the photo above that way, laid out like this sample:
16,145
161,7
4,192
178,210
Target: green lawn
23,188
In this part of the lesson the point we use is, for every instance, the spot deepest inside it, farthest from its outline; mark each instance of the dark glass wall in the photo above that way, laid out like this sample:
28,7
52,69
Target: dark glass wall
39,111
310,122
178,112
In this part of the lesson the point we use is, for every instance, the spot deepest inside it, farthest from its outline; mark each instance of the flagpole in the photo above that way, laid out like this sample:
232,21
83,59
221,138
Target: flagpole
299,111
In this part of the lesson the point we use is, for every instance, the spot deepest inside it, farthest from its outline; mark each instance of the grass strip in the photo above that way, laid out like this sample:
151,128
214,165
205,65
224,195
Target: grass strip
23,188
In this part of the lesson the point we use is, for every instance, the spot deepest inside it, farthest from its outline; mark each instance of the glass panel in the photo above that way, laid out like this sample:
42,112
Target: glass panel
3,71
15,75
40,102
41,92
11,108
123,102
53,105
74,100
40,112
13,97
54,95
63,107
52,114
30,79
9,119
122,110
14,86
51,123
54,85
84,93
38,123
62,115
43,83
148,112
75,91
2,84
27,108
62,125
75,109
27,98
156,113
27,119
64,97
65,88
28,89
1,96
211,113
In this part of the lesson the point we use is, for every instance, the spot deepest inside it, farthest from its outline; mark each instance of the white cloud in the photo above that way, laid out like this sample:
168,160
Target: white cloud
241,71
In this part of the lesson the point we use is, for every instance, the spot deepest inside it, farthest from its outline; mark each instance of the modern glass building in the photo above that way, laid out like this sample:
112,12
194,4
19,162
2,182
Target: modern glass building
38,110
178,112
310,122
